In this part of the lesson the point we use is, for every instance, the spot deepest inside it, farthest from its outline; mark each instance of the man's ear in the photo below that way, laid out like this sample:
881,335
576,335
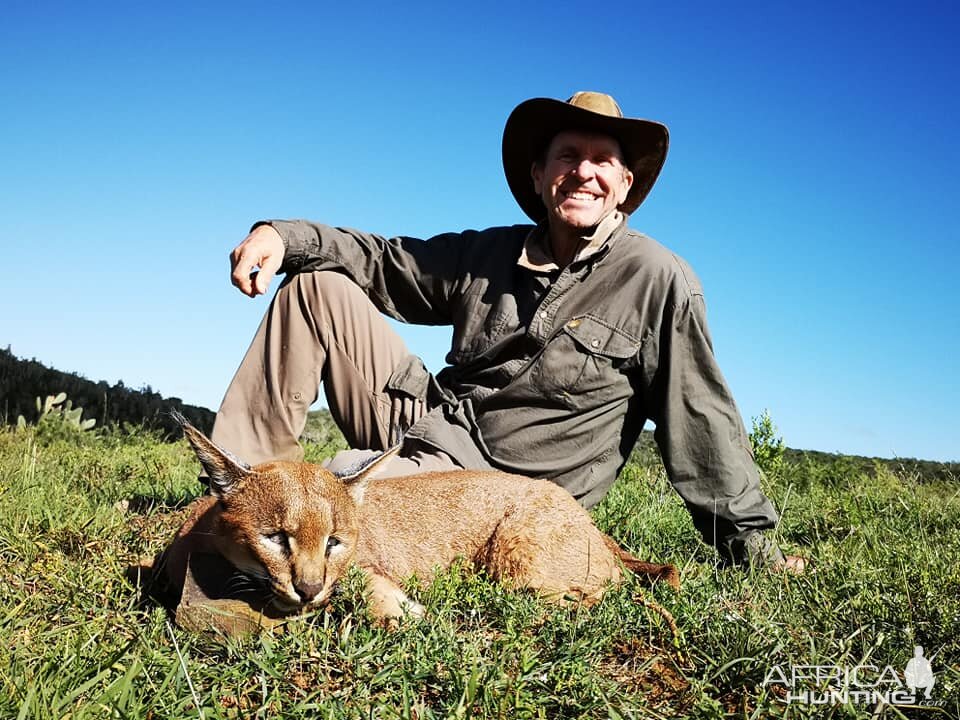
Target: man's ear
223,468
357,480
536,172
625,186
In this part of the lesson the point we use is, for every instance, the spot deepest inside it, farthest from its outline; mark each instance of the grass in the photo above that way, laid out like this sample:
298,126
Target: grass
75,642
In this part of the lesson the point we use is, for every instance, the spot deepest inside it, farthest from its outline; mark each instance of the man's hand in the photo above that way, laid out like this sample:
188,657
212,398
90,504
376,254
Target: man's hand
256,260
792,564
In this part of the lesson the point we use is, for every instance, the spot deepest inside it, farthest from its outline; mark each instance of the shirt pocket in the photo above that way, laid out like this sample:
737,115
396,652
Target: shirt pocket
410,377
581,362
483,316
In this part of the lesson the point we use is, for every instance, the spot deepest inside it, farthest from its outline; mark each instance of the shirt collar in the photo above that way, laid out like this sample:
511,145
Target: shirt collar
537,256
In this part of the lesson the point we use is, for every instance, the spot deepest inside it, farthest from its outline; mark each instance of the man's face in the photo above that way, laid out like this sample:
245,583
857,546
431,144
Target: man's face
582,179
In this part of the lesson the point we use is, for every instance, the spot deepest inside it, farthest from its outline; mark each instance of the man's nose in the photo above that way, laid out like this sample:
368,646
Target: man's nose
584,169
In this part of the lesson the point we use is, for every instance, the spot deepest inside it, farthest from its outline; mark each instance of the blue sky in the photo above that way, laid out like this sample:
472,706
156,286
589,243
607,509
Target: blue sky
811,181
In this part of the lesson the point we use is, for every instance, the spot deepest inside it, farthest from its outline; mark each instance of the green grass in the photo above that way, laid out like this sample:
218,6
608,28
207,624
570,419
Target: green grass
75,642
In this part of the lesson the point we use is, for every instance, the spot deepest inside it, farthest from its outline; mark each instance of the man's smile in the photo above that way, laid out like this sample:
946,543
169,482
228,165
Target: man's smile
579,195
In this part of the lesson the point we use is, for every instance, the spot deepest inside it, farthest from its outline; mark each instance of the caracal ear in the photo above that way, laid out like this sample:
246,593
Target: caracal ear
357,479
224,468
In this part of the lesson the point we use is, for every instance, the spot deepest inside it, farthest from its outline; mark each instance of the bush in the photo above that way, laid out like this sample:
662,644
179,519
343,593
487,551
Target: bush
768,447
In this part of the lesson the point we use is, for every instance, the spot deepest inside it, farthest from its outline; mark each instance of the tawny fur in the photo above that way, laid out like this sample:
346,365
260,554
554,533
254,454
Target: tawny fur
526,533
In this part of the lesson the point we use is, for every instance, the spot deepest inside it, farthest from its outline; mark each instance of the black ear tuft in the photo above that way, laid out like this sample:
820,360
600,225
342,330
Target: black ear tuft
357,478
224,468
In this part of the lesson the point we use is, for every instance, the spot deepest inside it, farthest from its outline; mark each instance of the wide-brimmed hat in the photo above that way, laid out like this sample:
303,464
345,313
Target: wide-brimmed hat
533,123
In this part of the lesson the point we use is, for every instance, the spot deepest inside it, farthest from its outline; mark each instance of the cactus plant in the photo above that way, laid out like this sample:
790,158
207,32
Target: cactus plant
59,410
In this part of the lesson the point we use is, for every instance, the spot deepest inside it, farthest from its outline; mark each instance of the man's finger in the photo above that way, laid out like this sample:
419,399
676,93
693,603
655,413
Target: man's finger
262,279
240,277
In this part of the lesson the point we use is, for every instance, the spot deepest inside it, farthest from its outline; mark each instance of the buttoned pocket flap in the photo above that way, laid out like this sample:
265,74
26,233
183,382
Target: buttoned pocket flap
597,337
410,377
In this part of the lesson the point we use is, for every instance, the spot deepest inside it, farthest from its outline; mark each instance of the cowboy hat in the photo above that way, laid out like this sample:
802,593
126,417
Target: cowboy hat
533,124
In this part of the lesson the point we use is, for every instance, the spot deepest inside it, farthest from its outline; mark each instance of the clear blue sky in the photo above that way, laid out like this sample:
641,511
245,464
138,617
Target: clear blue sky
812,180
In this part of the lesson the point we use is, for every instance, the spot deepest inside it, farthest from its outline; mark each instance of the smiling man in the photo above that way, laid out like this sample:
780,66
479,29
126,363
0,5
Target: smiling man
568,335
581,180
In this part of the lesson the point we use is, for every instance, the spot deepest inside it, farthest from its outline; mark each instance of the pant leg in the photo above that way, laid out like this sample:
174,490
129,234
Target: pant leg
320,327
414,460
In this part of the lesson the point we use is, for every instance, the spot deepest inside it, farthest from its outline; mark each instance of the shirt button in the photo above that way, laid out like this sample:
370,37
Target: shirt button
543,314
595,343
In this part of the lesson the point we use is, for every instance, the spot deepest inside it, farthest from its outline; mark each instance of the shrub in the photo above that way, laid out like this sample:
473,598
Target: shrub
768,447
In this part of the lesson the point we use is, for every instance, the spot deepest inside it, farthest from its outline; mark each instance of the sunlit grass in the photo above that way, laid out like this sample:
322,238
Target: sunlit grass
76,511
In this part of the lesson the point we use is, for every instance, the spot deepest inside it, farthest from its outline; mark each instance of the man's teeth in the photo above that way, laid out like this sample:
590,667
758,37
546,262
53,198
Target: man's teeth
581,196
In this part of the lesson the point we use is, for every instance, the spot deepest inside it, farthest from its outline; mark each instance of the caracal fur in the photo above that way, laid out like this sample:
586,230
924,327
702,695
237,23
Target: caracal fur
296,528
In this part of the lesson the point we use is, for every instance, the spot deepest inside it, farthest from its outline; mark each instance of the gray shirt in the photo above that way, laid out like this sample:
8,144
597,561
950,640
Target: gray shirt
552,372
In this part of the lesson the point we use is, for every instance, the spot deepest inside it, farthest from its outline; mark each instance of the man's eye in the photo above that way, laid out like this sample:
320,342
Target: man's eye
332,542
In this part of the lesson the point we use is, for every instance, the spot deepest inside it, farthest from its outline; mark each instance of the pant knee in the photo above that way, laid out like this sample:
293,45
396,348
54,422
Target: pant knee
328,298
325,285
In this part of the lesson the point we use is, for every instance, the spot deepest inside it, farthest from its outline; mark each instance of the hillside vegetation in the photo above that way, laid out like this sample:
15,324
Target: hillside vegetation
23,381
77,508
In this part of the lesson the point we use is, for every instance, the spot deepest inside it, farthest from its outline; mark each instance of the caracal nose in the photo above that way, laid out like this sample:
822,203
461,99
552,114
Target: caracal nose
307,591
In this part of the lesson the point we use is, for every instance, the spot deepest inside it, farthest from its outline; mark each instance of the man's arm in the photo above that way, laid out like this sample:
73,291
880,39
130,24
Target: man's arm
409,279
701,436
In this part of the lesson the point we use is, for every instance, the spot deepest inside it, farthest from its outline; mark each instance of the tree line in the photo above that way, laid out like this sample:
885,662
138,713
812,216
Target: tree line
23,381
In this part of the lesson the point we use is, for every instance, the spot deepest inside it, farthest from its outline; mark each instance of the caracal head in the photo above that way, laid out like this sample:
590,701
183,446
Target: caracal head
291,526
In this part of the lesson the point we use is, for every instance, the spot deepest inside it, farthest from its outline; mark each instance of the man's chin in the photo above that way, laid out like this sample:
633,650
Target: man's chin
579,221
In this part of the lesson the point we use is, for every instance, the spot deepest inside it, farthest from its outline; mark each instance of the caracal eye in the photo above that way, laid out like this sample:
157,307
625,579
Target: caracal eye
332,542
278,538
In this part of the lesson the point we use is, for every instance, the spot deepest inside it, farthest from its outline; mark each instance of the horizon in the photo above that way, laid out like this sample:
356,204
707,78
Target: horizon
813,154
318,407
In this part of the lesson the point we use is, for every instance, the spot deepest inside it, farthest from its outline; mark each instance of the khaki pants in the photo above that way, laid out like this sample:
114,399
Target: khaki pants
321,328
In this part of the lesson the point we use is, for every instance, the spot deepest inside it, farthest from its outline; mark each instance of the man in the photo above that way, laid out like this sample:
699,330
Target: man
567,336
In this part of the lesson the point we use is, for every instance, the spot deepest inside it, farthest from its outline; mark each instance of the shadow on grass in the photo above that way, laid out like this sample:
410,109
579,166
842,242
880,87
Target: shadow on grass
147,504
